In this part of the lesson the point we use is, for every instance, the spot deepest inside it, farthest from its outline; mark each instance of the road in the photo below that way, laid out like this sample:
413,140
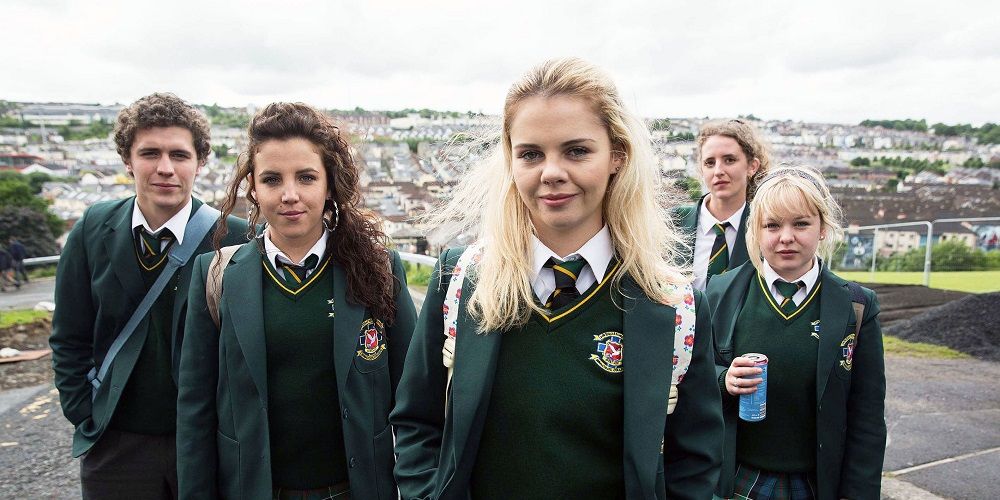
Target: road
28,295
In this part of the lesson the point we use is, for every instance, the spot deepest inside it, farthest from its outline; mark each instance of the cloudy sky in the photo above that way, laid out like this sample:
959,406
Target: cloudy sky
836,61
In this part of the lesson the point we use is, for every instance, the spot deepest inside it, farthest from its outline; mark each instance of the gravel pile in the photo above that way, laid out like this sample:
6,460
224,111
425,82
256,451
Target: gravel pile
26,373
969,325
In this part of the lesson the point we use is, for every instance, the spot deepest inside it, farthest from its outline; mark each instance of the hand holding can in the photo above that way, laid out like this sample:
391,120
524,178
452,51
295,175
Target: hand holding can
752,391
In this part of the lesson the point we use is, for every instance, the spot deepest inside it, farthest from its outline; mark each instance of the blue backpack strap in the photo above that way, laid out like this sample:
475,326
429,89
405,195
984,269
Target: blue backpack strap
195,231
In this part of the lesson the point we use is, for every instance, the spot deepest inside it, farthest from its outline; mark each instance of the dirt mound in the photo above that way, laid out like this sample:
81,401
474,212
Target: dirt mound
902,302
965,325
26,337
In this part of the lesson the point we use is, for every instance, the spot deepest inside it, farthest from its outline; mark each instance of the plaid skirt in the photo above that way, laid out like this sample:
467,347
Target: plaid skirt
756,484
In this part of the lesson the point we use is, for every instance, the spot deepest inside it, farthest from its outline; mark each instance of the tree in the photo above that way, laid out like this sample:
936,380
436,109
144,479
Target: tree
689,185
17,193
31,228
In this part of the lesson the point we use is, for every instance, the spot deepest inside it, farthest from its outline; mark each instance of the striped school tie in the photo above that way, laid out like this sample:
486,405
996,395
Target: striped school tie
296,275
788,290
719,261
566,274
151,247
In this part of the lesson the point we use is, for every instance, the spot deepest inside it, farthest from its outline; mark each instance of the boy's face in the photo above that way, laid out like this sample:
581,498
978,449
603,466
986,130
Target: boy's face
163,162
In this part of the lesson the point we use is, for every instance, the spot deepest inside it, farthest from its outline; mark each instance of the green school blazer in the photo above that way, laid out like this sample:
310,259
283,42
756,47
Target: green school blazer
850,402
675,456
98,286
222,426
686,218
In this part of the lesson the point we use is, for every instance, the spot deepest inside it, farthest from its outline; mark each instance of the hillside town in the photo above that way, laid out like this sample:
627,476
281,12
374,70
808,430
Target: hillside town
411,159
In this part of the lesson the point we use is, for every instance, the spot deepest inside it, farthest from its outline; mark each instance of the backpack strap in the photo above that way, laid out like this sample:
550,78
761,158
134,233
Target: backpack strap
213,283
452,298
683,339
858,302
194,232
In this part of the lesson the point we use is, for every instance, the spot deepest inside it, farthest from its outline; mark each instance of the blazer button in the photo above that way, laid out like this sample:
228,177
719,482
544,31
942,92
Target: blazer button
345,413
354,462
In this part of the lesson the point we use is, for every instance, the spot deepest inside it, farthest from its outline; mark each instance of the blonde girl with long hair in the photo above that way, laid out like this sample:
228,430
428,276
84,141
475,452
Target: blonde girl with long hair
565,326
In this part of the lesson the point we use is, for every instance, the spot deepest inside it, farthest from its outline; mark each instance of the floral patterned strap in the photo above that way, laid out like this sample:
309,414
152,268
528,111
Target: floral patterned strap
683,339
452,297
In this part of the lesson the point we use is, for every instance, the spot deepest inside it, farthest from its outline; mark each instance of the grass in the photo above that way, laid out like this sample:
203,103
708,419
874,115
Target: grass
36,272
417,274
963,281
21,316
899,347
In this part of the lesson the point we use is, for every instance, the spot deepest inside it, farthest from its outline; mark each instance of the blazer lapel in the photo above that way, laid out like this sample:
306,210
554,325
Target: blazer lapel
649,343
346,327
120,247
690,223
243,301
729,308
184,274
739,255
835,313
475,366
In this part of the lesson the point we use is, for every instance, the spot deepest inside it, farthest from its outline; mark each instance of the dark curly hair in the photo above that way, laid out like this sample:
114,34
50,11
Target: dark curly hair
161,110
358,243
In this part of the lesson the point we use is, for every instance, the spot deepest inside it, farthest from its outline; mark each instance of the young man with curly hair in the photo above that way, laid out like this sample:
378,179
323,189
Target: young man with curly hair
117,375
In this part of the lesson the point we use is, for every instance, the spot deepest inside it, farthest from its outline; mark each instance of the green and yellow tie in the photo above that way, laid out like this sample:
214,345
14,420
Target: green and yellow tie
719,261
152,248
787,291
566,274
296,275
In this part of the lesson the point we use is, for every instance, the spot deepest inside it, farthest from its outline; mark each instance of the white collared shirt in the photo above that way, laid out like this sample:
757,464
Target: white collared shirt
176,224
809,278
273,252
705,238
598,252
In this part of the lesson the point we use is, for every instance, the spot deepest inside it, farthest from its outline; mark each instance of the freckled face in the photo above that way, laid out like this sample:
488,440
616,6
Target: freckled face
725,169
789,241
290,185
562,162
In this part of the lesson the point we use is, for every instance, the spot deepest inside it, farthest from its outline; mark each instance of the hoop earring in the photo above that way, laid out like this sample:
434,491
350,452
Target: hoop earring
336,217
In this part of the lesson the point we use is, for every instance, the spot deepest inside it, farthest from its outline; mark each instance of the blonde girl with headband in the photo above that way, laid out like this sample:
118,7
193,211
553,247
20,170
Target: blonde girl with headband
285,393
732,159
565,330
823,436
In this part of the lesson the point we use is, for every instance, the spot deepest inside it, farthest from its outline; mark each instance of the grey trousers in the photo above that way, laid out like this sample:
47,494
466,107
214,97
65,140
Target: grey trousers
127,465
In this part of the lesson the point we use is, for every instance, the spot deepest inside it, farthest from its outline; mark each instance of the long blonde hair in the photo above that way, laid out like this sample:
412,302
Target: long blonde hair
486,202
789,190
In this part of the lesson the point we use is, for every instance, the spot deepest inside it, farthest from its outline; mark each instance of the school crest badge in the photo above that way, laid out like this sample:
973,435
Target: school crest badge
372,340
814,331
847,352
609,352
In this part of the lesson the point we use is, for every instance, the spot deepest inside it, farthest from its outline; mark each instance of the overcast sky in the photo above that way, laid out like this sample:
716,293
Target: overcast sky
839,61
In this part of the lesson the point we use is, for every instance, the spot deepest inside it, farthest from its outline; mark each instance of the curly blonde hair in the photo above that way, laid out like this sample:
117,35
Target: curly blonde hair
746,135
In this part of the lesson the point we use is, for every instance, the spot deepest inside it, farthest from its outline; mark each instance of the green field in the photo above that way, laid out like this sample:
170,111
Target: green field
963,281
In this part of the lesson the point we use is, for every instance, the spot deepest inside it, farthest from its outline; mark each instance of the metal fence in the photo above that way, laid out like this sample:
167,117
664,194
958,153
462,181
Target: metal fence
903,246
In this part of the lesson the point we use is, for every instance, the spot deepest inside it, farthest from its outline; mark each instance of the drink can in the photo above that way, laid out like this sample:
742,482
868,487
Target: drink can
753,406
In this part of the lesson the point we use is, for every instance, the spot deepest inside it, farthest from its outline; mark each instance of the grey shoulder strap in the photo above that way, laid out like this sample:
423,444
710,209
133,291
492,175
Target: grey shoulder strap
197,227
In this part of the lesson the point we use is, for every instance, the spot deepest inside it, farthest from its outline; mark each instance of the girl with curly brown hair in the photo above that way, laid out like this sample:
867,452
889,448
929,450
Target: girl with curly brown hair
287,391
